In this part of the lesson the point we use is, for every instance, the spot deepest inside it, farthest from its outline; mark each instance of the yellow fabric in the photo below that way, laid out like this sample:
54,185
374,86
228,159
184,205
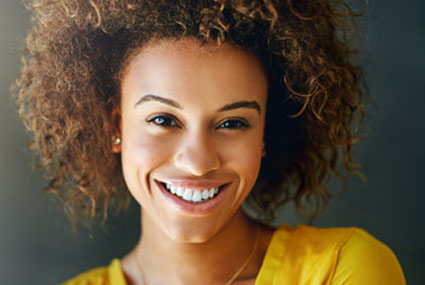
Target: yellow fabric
108,275
303,255
308,255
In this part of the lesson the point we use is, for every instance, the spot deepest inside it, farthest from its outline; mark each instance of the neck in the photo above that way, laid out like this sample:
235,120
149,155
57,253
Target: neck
215,260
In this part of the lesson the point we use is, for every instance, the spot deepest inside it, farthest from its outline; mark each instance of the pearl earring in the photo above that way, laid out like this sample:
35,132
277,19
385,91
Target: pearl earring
117,141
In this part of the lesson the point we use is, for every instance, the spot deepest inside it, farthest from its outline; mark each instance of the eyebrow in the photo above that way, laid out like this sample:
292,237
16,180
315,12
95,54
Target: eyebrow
157,98
235,105
242,104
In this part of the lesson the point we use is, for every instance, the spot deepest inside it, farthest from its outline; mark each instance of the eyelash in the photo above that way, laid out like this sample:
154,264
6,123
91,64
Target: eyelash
171,122
165,118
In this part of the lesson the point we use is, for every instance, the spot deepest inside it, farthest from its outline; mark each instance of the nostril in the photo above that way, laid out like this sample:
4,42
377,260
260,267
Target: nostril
197,162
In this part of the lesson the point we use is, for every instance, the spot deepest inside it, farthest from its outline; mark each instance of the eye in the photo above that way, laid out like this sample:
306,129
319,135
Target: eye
234,124
163,121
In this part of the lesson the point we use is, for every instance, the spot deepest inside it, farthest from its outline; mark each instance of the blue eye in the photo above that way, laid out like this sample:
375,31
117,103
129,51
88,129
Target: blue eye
234,124
163,121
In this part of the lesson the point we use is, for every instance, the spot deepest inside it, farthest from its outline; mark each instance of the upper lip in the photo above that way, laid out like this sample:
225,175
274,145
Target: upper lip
203,184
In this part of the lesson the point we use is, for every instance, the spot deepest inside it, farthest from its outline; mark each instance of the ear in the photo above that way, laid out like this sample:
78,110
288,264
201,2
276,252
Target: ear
116,129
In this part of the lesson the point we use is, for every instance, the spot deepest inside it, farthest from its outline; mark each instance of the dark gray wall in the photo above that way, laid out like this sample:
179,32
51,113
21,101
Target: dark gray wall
37,248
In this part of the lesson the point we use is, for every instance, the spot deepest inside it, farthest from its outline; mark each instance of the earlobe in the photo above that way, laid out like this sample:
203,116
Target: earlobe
116,144
116,130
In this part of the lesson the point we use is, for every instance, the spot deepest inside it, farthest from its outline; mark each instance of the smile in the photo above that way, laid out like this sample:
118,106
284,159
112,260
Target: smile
192,195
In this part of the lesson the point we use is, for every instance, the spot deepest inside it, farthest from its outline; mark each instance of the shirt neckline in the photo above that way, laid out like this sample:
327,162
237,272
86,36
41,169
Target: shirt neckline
116,274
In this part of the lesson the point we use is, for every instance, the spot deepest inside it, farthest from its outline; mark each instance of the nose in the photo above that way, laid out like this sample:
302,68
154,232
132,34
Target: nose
197,155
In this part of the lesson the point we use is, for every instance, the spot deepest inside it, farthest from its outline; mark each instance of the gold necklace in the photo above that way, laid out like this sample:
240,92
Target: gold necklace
235,275
254,249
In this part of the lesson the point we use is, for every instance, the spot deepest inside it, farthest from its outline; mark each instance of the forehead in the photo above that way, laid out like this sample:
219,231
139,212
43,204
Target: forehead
189,72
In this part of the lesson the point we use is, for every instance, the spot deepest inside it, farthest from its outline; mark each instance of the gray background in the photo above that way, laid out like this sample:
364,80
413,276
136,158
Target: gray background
36,246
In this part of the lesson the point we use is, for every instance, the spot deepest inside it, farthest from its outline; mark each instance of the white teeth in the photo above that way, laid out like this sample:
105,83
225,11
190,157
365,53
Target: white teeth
172,189
196,196
205,194
179,191
192,195
187,195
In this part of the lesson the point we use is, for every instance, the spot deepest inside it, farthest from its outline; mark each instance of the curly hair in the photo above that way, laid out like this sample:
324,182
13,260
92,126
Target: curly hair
76,50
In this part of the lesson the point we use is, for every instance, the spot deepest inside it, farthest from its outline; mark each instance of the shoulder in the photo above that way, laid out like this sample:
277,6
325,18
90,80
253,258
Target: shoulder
365,260
111,274
309,255
96,276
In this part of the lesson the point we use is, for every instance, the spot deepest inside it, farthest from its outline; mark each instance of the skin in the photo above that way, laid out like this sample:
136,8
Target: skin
189,138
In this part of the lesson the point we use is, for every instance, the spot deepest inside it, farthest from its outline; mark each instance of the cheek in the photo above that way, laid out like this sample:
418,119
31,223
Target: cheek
141,154
143,151
245,158
250,165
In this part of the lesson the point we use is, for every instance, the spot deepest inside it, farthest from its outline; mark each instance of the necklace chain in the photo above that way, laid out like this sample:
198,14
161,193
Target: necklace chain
235,275
254,249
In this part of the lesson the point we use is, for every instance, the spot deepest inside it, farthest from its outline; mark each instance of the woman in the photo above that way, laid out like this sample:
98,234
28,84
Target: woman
194,107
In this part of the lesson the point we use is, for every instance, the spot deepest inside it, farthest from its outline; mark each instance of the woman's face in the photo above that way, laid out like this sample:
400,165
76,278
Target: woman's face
192,123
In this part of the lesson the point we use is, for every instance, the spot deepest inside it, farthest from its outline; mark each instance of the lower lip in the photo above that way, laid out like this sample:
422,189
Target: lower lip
192,208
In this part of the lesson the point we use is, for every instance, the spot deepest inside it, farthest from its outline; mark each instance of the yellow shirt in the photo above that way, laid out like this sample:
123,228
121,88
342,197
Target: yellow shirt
303,255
